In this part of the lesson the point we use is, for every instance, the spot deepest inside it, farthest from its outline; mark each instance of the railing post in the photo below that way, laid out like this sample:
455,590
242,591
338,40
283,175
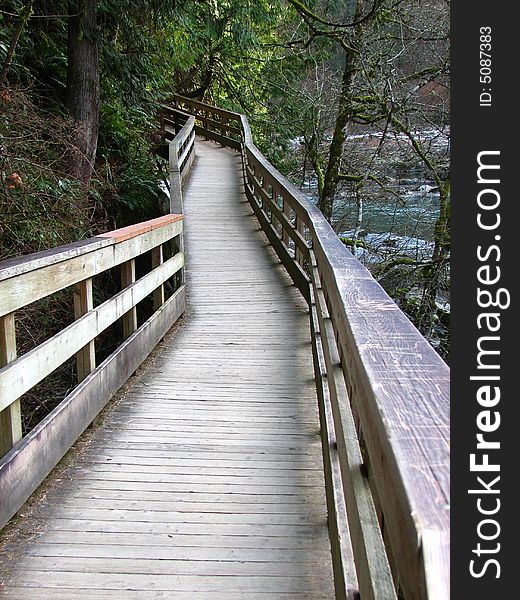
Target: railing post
175,181
157,260
224,129
127,278
191,158
10,417
83,303
286,211
298,225
162,116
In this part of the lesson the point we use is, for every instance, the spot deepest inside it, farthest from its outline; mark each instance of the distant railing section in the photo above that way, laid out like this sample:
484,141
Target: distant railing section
211,122
179,132
383,393
27,461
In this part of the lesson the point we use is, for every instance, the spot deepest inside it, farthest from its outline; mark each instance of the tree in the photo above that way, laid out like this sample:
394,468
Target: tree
358,15
404,86
220,50
83,86
390,73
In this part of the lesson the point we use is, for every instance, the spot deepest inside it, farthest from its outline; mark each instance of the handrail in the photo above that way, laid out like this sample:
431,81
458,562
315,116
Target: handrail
26,461
383,393
217,124
181,154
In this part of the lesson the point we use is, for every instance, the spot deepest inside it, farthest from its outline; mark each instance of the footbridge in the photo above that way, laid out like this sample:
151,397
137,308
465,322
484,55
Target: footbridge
271,425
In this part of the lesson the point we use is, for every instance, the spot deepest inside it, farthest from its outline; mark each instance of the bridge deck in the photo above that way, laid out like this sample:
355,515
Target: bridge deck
205,479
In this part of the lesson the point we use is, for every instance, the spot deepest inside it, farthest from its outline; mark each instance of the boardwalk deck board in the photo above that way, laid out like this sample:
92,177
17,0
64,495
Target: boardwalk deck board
206,480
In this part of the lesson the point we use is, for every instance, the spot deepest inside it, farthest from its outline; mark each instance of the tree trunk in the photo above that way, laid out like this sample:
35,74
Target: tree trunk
313,153
344,116
83,86
359,221
428,306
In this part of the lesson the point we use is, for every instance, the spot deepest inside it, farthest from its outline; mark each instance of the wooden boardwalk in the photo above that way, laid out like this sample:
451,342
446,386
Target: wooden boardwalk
206,479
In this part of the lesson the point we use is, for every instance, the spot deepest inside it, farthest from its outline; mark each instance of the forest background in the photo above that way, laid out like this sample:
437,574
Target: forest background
348,98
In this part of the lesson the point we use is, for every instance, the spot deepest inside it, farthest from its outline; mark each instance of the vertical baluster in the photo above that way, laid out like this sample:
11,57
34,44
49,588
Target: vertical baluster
255,185
298,224
275,195
261,181
158,294
10,417
127,278
178,246
224,128
286,211
175,180
274,220
83,302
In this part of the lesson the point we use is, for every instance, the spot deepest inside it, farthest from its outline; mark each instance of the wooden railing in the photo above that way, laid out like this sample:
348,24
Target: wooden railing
27,461
383,393
213,123
179,134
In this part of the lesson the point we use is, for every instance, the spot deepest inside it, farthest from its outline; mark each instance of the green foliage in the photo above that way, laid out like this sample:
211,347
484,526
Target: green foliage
227,46
48,62
138,193
350,242
127,173
123,130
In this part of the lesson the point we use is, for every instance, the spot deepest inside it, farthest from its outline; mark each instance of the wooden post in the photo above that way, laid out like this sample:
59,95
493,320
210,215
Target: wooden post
10,417
191,157
175,181
286,211
298,225
274,218
83,302
202,115
127,278
158,294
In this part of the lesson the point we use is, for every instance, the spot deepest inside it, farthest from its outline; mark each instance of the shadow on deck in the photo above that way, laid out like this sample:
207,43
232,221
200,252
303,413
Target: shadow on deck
206,479
290,439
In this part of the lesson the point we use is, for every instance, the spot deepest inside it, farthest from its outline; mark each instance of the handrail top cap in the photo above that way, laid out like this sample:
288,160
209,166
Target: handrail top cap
13,267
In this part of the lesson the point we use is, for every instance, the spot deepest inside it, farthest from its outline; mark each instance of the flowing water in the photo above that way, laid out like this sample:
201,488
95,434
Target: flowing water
399,219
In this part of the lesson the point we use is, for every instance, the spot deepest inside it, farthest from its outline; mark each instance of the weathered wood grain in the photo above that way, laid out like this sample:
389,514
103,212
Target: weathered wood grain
132,231
365,350
27,593
22,374
30,262
83,303
10,416
41,276
375,580
398,386
27,465
157,261
206,479
344,566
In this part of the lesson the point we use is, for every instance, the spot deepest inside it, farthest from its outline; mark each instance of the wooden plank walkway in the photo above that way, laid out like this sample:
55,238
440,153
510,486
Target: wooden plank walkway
205,480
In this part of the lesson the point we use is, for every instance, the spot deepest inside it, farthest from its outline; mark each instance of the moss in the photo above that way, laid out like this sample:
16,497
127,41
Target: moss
350,242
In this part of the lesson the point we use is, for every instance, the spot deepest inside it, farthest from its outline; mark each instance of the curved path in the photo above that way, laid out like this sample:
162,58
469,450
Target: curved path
205,481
